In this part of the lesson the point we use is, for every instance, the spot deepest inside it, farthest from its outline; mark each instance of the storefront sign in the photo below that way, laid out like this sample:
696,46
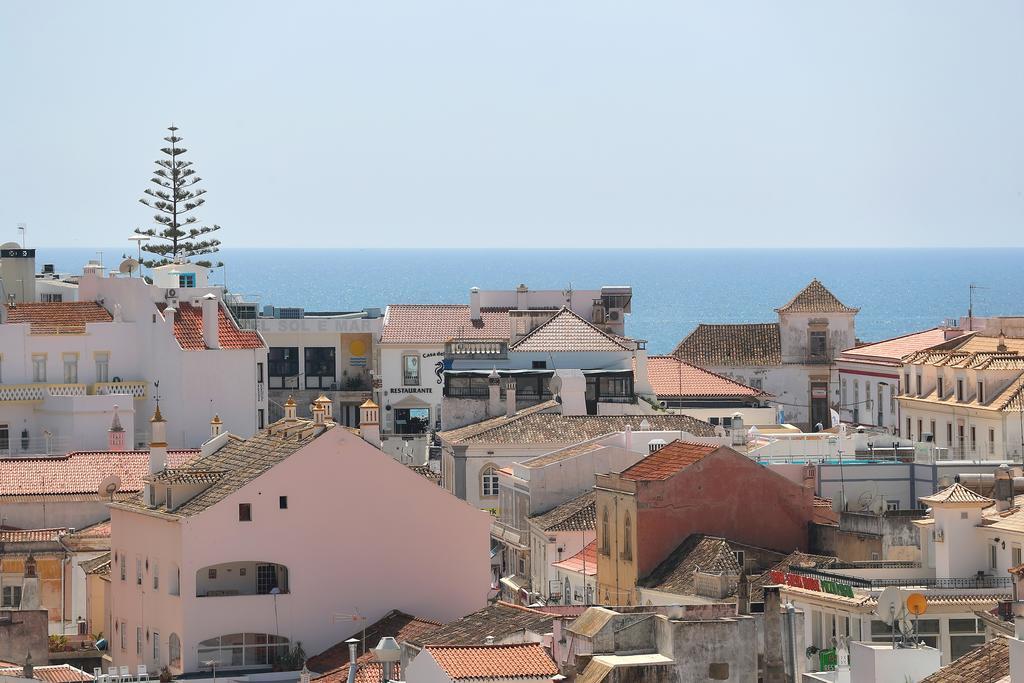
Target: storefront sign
411,390
811,584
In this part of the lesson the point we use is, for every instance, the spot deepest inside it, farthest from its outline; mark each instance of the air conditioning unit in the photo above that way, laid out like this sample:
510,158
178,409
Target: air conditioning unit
171,294
615,315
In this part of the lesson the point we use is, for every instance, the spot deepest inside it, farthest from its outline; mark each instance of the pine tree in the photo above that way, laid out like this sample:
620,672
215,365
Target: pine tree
175,197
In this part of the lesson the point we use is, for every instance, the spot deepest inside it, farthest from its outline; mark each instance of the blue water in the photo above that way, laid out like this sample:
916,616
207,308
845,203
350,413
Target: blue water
898,291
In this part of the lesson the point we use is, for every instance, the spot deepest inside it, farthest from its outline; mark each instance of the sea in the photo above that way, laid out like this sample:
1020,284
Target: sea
897,290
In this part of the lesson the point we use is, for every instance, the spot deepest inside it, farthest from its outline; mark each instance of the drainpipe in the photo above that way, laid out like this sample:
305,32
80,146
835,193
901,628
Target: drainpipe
353,655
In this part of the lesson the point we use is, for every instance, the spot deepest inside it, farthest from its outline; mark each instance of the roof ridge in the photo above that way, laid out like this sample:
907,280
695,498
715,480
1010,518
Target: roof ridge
816,297
566,310
719,375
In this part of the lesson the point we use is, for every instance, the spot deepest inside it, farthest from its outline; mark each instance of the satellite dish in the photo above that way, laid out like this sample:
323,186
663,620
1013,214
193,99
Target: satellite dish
109,486
917,604
878,506
890,604
129,266
10,245
555,384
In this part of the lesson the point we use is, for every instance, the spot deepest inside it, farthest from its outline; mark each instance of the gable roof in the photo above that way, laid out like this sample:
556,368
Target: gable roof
955,496
332,664
532,426
706,553
80,472
668,461
437,323
815,298
732,344
500,620
985,664
51,673
240,461
893,350
566,331
188,330
99,565
579,514
673,377
520,660
59,317
583,562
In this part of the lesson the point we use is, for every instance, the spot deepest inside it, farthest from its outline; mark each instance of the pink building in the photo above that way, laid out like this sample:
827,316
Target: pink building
265,542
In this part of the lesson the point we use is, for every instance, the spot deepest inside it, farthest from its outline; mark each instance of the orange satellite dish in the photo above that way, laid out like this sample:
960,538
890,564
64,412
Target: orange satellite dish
917,604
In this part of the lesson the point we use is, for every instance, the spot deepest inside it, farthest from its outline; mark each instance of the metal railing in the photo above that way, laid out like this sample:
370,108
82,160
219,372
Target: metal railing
472,349
949,583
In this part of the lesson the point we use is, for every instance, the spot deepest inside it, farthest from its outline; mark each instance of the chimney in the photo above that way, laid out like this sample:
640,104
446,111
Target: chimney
289,409
1001,347
388,653
743,594
328,407
318,413
572,391
369,422
30,585
493,393
641,379
510,397
29,670
211,331
215,426
115,435
170,313
353,655
522,297
157,442
627,438
774,639
474,304
1003,492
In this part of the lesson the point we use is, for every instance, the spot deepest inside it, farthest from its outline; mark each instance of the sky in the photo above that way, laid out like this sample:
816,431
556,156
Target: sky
526,123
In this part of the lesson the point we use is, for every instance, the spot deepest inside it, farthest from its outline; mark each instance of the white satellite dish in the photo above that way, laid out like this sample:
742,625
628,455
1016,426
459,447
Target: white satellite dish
109,486
129,266
890,605
878,506
10,245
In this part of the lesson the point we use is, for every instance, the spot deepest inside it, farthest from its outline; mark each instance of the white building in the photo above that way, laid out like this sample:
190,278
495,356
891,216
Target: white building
420,344
790,359
65,365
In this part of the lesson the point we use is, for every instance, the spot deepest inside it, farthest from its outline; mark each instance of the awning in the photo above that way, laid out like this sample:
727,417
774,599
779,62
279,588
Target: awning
515,583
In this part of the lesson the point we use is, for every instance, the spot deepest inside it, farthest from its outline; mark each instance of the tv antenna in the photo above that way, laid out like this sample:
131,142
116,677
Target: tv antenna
971,288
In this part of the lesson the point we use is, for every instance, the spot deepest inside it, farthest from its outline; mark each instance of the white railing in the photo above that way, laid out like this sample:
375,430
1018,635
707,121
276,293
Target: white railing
135,389
38,392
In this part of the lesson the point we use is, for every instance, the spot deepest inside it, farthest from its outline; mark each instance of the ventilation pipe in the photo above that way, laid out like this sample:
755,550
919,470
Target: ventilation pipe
510,398
493,393
522,297
353,655
388,653
211,331
369,422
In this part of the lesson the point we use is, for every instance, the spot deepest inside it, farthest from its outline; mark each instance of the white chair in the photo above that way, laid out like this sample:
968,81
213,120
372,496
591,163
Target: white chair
125,677
98,675
112,675
142,674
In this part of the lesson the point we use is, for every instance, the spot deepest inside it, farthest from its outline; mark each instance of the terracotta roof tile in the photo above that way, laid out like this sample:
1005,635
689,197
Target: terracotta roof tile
79,472
583,562
99,565
985,664
62,317
815,298
794,559
957,494
531,426
668,460
188,330
437,323
706,553
97,530
579,514
500,620
893,350
566,331
30,535
732,344
672,377
54,673
521,660
563,454
332,663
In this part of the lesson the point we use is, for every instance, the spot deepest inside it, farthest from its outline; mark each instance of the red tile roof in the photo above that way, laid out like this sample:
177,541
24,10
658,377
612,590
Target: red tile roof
63,317
732,344
58,673
522,660
893,350
80,472
97,530
815,298
672,377
188,330
566,331
668,461
30,535
437,323
583,562
333,662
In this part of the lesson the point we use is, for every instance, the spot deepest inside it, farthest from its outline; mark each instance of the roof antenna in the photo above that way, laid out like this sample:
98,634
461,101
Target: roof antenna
970,304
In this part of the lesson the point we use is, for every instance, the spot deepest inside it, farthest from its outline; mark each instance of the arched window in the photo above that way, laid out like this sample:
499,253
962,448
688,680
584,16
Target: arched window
489,481
627,541
174,650
606,546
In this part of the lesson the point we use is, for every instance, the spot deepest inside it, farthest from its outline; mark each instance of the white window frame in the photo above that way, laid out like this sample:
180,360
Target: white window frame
406,376
102,359
38,367
70,364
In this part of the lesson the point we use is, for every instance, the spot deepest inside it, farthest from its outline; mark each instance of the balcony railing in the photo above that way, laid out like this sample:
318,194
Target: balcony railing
135,389
950,583
38,392
471,349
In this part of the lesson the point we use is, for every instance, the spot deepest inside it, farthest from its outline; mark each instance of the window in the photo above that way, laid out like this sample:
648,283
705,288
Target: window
261,419
11,597
489,482
940,383
156,648
138,571
186,280
51,298
932,428
981,391
880,407
283,367
540,365
920,430
282,502
70,368
891,505
756,383
102,367
243,649
993,557
138,640
5,437
974,438
906,383
211,573
168,501
818,345
1015,557
124,641
156,575
410,370
928,630
991,441
175,588
122,567
38,367
266,578
949,433
908,434
964,634
918,378
174,650
627,538
259,373
412,420
959,390
245,512
320,366
960,437
606,546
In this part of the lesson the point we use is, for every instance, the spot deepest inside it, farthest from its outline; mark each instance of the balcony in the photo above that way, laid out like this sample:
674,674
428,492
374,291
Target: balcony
472,349
135,389
37,392
241,578
977,582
